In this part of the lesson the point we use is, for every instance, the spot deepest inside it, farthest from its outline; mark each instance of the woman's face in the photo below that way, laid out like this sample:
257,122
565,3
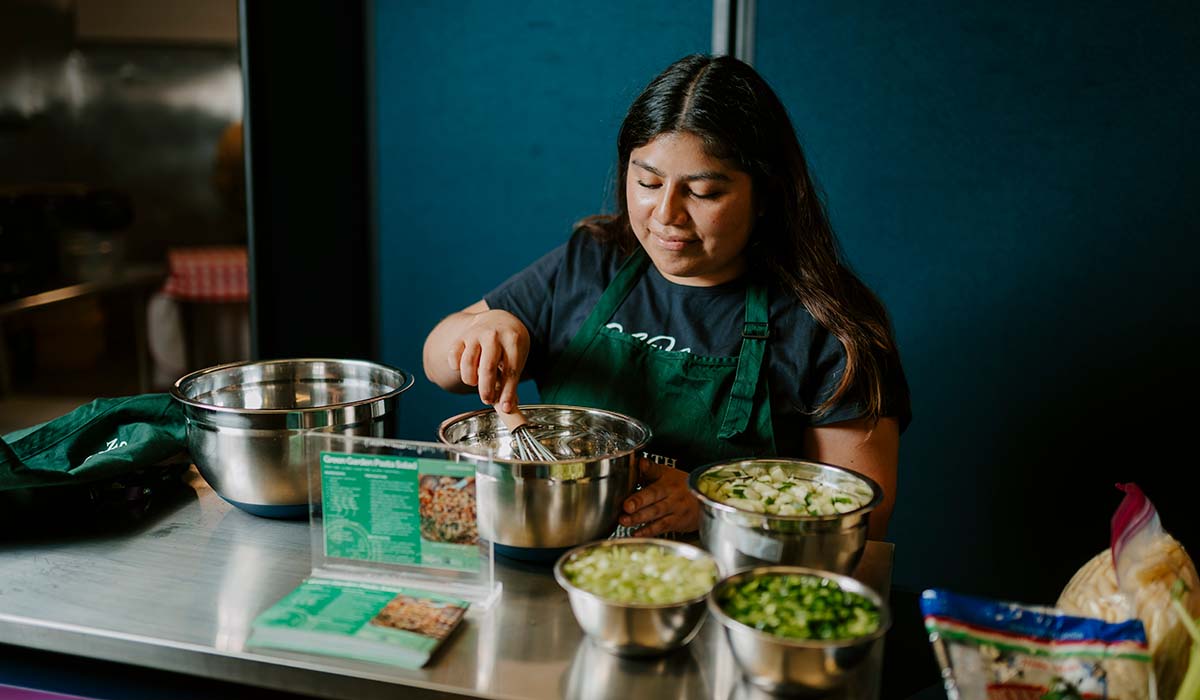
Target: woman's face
691,212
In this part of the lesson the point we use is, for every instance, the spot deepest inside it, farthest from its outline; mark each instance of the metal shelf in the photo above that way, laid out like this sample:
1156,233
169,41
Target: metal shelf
130,278
138,279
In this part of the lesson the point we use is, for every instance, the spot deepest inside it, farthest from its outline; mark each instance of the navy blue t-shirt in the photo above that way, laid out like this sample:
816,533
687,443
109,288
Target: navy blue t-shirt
803,361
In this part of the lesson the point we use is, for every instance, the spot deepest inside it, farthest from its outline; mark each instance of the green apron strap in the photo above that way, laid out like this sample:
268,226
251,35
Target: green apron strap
627,276
750,359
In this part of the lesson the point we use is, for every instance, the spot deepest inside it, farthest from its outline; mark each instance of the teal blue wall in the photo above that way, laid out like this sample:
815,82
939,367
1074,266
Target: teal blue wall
1018,182
1021,184
497,127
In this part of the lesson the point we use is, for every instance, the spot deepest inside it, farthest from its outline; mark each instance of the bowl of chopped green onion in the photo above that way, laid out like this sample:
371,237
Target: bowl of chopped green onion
798,630
637,596
781,511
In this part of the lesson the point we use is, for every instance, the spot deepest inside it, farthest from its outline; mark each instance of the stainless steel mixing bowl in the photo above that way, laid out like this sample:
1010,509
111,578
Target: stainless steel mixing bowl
245,422
633,629
796,666
740,539
552,504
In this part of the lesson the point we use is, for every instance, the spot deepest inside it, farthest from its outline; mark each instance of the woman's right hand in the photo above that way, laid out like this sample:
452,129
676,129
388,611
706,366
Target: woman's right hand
489,353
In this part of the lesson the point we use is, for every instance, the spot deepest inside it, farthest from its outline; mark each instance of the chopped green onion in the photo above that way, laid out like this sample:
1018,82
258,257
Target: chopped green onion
799,606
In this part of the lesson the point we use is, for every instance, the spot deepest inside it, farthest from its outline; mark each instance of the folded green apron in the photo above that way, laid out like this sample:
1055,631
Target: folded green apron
106,439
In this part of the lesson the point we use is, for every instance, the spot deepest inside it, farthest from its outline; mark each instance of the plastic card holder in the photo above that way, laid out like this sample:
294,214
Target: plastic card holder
398,513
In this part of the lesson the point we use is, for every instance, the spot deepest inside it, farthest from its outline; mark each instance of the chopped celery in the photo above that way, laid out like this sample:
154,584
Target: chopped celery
765,487
640,573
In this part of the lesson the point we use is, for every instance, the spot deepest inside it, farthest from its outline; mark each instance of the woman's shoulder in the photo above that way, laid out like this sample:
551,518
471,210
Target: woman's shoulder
580,253
792,325
586,256
807,361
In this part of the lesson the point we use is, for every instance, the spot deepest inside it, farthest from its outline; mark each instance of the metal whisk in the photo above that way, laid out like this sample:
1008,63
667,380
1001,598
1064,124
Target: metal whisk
526,446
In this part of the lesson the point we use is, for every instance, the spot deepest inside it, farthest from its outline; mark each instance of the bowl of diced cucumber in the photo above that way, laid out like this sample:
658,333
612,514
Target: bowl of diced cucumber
798,630
637,596
781,511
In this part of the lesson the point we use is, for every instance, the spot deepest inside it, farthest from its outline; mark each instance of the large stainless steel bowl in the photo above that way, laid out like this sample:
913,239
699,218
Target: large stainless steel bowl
245,422
552,505
635,629
740,539
796,666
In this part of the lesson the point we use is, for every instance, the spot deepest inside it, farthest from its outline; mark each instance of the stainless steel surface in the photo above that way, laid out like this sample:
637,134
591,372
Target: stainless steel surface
597,674
552,504
795,666
244,420
179,591
630,629
143,118
740,539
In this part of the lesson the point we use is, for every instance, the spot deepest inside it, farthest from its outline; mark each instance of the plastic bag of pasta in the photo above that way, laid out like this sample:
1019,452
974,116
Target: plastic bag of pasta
1135,578
995,650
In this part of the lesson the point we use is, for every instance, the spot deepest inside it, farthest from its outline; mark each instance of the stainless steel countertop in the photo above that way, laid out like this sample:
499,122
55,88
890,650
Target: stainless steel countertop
179,590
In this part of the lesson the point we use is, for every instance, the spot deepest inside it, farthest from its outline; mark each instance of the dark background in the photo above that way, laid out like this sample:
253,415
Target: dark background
1018,182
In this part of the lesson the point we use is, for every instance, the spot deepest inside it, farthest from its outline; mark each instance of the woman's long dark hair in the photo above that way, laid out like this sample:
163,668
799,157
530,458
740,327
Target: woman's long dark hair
739,118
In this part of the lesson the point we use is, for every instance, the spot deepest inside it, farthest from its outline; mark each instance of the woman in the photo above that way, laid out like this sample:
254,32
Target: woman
712,305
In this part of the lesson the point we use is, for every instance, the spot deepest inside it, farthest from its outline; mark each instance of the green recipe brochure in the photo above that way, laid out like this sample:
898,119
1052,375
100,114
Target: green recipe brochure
388,625
400,510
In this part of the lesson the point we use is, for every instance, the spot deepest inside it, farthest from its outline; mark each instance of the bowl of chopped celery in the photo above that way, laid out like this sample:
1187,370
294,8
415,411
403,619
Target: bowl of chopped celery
798,630
780,511
637,596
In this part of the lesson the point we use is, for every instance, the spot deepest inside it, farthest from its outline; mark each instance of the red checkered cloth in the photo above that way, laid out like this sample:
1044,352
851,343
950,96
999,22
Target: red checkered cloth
207,274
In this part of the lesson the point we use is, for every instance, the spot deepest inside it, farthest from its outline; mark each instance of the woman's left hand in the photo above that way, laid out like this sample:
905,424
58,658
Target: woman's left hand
665,504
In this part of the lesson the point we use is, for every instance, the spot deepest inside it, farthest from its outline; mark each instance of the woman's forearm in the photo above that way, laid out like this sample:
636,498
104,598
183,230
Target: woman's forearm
871,450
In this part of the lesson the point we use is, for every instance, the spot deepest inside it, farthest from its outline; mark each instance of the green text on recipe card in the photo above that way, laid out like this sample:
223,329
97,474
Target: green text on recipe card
400,510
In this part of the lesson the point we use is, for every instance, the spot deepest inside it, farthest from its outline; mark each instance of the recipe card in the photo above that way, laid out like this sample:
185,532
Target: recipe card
399,510
388,625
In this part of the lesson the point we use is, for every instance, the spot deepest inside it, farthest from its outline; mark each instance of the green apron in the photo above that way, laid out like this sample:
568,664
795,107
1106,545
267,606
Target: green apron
701,408
106,439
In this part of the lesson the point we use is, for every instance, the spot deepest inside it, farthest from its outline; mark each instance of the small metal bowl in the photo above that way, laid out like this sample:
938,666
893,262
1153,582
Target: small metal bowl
550,506
245,423
796,666
741,539
635,629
